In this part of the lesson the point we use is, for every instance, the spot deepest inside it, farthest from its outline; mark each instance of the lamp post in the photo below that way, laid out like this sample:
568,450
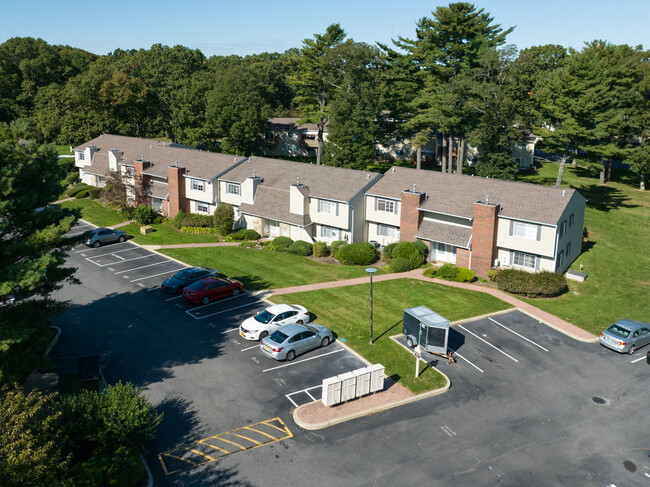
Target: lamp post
371,271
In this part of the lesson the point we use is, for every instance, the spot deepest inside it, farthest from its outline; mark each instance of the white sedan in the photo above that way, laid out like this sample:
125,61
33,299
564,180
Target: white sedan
267,321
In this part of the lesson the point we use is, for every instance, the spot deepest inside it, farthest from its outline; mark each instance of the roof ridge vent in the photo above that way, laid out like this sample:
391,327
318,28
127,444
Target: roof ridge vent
564,192
150,146
393,170
368,176
414,187
298,181
254,173
487,200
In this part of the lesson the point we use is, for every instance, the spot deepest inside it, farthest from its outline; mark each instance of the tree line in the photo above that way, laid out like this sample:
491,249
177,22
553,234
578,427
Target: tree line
456,78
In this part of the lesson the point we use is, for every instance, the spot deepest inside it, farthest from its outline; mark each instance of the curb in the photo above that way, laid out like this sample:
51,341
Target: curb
564,332
149,475
55,340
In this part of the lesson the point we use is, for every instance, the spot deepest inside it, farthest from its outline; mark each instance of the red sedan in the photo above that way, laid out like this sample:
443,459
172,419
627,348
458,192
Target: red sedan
205,290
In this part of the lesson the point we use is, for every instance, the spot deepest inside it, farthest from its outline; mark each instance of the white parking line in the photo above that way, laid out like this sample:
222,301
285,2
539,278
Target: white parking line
119,262
118,256
493,346
143,266
154,288
176,297
250,348
189,312
76,233
229,331
301,361
454,351
156,275
104,248
520,336
637,360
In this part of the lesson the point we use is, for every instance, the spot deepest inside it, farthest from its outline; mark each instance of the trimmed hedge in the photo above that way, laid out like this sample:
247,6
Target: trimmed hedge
78,187
281,244
93,193
422,248
400,264
408,250
543,284
388,250
429,272
250,234
465,275
320,249
446,271
81,194
360,253
492,274
234,237
336,246
300,247
144,215
198,230
247,245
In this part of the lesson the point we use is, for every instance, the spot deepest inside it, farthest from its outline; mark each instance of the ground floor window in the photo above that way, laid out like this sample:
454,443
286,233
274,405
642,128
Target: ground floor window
386,231
524,260
330,232
202,207
274,227
442,252
101,182
156,203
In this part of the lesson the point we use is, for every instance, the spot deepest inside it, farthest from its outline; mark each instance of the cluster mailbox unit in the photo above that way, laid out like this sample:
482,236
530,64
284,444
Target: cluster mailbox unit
353,384
426,328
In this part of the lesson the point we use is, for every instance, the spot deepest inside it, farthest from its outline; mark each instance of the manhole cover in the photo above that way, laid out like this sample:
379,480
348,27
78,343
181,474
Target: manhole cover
629,466
598,400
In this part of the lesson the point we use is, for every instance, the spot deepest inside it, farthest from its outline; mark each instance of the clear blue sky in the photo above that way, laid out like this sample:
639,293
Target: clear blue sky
252,26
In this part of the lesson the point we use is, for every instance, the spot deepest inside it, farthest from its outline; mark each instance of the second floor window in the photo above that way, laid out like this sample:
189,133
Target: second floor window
329,207
386,205
563,228
81,156
571,219
232,188
198,185
524,230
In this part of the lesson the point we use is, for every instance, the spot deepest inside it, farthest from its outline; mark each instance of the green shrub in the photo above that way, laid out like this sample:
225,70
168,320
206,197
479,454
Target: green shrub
336,246
429,272
408,250
144,215
531,284
126,212
81,194
300,247
447,272
198,230
267,244
320,249
492,274
234,237
224,219
422,248
250,234
247,245
76,188
360,253
464,274
122,468
400,264
388,250
177,221
281,244
72,177
93,193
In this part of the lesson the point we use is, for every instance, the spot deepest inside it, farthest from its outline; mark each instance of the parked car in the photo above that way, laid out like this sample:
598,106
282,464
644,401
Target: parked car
290,340
7,300
101,236
626,336
178,281
270,319
210,288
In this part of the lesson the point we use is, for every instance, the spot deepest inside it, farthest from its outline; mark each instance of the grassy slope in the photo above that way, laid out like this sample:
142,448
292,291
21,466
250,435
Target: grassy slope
615,258
93,212
261,269
349,319
166,235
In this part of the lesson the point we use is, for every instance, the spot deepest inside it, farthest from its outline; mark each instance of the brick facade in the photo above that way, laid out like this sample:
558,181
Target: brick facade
410,217
141,180
484,237
176,182
462,257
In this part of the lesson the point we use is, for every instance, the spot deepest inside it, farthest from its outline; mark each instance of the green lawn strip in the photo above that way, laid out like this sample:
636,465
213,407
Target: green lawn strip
346,311
93,212
166,235
64,150
615,260
262,269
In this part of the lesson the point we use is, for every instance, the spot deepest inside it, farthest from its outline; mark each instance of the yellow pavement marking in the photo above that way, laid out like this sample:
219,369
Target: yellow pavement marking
188,456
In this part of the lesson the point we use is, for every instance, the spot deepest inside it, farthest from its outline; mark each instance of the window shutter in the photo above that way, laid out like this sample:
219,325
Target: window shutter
539,233
512,257
395,207
536,263
512,228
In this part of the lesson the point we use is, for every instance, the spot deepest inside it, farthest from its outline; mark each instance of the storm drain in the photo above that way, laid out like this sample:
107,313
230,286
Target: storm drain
598,400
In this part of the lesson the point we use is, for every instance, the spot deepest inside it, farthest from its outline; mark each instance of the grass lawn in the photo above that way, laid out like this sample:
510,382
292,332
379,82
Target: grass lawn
262,269
64,150
346,311
93,212
166,235
615,258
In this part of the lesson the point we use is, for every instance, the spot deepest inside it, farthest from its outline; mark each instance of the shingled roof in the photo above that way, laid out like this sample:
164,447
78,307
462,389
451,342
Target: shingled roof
198,164
273,203
454,194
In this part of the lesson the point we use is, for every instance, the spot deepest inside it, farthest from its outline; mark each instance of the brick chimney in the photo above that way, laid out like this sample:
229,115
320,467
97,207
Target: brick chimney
140,179
484,237
176,182
410,218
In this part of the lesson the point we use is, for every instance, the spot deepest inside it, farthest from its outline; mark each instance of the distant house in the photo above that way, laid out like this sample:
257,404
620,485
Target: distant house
298,200
477,222
284,137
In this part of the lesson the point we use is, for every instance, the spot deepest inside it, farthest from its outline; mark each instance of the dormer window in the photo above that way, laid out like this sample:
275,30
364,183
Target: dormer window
81,156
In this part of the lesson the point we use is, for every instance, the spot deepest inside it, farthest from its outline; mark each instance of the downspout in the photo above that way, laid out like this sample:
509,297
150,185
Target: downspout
352,226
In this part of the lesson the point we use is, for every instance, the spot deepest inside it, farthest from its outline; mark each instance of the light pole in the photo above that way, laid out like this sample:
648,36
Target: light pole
371,271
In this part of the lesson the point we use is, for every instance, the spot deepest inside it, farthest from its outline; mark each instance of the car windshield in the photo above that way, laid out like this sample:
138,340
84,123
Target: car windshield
278,337
618,331
264,317
187,274
196,285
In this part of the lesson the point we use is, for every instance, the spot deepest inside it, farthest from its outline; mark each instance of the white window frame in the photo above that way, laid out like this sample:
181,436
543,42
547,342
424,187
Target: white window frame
529,231
388,231
274,227
198,185
332,233
233,188
81,156
386,205
524,260
328,207
205,211
156,203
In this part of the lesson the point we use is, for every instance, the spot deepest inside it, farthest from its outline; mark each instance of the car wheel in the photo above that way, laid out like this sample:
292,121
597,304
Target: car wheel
632,349
264,334
205,300
325,342
97,244
290,355
121,239
300,322
236,291
409,342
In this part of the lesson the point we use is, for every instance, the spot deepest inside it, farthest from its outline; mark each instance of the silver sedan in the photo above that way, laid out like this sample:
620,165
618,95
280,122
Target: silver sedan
288,341
626,336
101,236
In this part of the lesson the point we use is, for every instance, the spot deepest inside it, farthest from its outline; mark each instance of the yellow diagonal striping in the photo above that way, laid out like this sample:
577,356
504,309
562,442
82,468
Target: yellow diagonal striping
241,447
260,432
203,442
284,430
249,439
204,454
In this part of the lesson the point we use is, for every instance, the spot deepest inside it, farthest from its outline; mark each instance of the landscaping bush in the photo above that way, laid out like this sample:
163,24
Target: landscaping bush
76,188
320,249
408,250
447,272
224,219
281,244
400,264
388,250
144,215
531,284
300,247
267,244
429,272
422,248
93,193
250,234
72,177
198,230
81,194
177,221
247,245
360,253
336,246
464,274
234,237
126,212
492,274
